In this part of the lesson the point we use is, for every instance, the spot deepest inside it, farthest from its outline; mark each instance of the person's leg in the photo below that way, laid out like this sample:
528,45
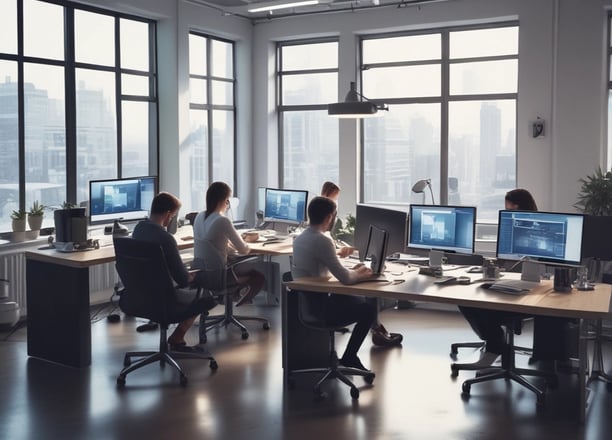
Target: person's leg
487,325
178,335
253,282
380,335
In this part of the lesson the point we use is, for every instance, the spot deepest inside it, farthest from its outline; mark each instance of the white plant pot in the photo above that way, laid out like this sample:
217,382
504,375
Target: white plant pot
35,222
19,225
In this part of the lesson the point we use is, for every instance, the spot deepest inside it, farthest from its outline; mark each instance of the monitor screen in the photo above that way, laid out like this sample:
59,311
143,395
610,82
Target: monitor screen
121,199
596,237
376,248
542,236
392,221
445,228
285,205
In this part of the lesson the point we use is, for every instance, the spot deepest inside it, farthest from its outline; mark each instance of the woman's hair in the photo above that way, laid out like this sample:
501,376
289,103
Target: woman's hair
319,208
329,189
217,191
164,202
522,198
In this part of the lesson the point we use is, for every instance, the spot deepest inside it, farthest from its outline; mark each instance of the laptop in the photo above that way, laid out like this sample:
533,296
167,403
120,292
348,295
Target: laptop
376,251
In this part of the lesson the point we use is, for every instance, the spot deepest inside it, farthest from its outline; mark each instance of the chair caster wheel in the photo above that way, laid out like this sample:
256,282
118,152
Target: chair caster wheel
266,326
354,393
454,372
465,388
127,362
183,380
213,365
245,335
120,381
369,378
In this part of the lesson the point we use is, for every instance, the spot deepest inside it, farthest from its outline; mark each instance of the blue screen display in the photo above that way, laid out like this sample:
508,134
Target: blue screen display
121,199
285,205
543,236
446,228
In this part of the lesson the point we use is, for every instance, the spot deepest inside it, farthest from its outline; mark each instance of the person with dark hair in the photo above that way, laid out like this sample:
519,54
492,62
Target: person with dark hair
520,199
380,335
214,227
314,255
164,208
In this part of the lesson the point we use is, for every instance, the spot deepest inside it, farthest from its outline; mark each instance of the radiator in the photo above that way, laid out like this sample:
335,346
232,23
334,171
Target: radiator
102,277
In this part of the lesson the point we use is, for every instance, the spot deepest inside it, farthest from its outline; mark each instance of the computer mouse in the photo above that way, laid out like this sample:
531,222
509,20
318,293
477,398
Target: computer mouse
475,269
486,285
463,280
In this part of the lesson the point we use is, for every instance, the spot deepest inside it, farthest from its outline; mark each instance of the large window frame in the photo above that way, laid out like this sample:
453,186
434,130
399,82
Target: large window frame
445,99
74,194
609,88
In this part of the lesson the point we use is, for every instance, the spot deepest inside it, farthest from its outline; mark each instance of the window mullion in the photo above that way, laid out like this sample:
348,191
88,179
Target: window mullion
70,106
444,118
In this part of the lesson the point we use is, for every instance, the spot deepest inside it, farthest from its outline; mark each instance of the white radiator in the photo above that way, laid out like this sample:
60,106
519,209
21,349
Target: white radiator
102,277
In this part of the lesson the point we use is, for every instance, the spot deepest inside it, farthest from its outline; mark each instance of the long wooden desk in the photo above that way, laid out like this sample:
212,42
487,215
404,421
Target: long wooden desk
59,328
543,300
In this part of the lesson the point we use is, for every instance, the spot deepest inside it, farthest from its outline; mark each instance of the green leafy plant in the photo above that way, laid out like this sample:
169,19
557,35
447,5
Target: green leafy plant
37,209
345,230
595,196
68,205
18,214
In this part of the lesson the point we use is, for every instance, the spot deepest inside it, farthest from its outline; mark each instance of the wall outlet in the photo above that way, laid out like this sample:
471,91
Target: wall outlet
537,128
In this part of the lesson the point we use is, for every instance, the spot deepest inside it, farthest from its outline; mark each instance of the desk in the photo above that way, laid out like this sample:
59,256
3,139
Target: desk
59,328
539,301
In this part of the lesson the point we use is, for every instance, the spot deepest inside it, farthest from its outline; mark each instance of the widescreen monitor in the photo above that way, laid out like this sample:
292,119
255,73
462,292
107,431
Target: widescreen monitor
541,236
285,205
392,221
126,199
445,228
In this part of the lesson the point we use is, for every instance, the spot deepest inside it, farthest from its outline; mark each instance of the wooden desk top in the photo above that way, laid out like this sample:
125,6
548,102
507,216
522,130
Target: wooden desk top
414,287
106,254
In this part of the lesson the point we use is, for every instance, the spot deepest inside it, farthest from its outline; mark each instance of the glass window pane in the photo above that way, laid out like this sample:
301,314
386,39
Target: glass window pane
135,138
134,85
402,82
222,59
96,128
223,146
310,56
482,154
134,45
318,88
484,77
94,38
197,91
45,134
310,150
399,149
609,130
197,55
484,42
222,93
43,34
406,48
9,143
194,161
8,27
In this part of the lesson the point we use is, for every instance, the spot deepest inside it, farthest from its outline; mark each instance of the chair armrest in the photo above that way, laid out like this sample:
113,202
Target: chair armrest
241,259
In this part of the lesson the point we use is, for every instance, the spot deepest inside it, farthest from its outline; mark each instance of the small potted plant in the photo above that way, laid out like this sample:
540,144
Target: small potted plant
19,220
35,216
345,231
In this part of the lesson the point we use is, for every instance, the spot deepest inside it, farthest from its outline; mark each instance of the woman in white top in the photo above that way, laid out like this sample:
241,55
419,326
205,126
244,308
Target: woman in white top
216,238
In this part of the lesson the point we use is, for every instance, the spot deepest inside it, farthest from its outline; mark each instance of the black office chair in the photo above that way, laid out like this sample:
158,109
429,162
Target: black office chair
190,217
508,369
214,280
311,308
150,293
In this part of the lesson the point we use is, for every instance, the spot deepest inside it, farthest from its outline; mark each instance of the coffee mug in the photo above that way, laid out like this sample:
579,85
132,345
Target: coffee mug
250,237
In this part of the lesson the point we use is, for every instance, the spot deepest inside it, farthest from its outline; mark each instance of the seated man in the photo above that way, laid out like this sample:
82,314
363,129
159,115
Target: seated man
163,208
314,255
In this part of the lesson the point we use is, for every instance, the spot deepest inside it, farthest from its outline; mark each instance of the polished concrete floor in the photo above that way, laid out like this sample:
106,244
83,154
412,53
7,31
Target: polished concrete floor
413,395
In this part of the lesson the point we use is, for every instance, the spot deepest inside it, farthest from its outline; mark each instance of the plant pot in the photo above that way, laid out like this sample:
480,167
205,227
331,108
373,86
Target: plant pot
35,222
18,236
19,225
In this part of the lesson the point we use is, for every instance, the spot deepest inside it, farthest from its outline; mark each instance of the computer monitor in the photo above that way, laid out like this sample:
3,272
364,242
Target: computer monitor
445,228
285,205
126,199
376,248
392,221
596,237
542,236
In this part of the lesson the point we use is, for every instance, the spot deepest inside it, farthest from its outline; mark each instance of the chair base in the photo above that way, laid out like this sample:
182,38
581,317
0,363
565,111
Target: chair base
208,323
163,356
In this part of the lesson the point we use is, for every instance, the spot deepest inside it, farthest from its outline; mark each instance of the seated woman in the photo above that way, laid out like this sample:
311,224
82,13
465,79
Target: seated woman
214,227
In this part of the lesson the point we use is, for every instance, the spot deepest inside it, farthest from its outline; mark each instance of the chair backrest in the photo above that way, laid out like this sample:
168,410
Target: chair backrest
143,270
190,217
311,306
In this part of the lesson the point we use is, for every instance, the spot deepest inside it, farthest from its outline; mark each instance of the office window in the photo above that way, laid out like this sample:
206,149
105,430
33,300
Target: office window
609,163
211,147
452,97
60,112
308,138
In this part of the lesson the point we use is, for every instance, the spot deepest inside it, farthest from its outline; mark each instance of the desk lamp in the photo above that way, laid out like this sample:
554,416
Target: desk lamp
420,186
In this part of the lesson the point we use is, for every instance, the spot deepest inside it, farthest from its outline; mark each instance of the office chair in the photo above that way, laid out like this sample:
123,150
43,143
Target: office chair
508,369
190,217
311,308
214,280
150,293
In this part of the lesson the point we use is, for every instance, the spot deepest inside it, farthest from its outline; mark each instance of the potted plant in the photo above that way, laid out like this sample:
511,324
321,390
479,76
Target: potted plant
35,216
595,195
345,231
19,220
